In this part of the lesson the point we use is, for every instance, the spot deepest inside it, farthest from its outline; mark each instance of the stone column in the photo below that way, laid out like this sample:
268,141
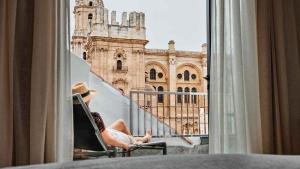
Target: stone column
105,17
204,66
113,17
105,66
132,19
172,71
76,22
98,58
124,19
142,69
96,27
204,74
142,19
101,62
140,72
95,60
135,73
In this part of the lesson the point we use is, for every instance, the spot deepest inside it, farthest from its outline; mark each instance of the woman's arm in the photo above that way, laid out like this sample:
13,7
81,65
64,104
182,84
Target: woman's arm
112,141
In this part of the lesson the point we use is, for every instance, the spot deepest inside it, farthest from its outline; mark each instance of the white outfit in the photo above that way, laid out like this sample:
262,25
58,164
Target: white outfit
121,136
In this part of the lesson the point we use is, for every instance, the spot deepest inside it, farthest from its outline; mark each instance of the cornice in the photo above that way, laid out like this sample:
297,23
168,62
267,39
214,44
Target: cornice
119,40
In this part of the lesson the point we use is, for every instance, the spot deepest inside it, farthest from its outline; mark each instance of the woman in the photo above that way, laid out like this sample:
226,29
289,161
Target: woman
117,134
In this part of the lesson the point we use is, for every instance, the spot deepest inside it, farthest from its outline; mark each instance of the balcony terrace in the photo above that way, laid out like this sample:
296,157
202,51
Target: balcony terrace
184,126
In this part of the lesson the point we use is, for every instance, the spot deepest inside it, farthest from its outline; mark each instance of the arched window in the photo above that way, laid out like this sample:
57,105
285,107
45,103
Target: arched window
153,74
90,3
90,16
119,65
160,98
187,97
179,97
194,90
186,75
84,55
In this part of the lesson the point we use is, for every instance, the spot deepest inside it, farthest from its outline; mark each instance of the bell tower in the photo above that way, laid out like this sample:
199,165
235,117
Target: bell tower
85,12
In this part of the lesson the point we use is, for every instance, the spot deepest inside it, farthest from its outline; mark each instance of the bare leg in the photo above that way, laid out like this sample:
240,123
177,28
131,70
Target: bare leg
120,125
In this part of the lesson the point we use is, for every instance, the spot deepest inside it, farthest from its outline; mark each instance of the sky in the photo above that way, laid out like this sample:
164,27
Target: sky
183,21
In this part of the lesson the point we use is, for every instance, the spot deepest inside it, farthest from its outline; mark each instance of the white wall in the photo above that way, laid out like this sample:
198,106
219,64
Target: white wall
109,102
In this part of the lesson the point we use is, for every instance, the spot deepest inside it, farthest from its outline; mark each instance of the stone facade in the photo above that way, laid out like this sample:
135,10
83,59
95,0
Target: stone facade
117,52
107,43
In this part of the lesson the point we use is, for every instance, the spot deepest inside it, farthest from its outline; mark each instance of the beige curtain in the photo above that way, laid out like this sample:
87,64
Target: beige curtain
279,67
7,25
35,103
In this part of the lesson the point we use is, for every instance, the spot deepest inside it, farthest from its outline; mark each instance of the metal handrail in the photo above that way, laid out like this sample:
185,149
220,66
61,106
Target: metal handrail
166,92
175,118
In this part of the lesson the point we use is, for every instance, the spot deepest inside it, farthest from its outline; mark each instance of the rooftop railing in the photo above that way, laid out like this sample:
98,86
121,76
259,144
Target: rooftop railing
168,114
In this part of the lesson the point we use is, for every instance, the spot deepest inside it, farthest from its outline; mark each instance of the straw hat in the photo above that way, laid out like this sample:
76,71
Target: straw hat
83,90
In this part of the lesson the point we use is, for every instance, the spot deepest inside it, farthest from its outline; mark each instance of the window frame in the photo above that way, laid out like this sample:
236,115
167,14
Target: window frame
160,97
179,96
90,16
186,75
152,76
187,96
84,56
194,99
119,65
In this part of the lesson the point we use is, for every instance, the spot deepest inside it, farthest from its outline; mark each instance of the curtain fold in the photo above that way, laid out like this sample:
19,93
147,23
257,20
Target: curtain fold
36,121
279,66
7,31
234,98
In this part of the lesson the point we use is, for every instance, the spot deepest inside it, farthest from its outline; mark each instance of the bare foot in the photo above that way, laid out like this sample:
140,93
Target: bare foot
145,139
138,142
148,136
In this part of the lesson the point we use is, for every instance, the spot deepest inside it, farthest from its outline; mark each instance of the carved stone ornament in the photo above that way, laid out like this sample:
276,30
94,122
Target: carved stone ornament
172,61
120,81
120,52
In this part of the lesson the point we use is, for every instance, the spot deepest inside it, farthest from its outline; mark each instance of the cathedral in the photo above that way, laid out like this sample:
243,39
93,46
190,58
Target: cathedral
117,52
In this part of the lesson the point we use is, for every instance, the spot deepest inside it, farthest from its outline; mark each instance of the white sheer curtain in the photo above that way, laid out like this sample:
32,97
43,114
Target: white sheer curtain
64,99
235,123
